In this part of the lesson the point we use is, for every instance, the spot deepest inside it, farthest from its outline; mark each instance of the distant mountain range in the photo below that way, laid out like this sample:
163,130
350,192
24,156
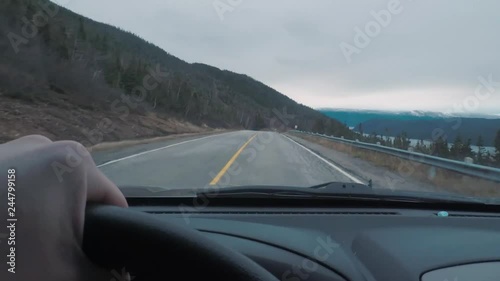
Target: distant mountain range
419,124
352,117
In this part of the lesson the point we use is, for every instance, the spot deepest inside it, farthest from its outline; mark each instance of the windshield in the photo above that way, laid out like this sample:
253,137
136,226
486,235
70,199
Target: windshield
188,96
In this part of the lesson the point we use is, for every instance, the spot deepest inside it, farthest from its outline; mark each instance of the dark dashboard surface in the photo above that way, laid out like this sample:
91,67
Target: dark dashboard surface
347,243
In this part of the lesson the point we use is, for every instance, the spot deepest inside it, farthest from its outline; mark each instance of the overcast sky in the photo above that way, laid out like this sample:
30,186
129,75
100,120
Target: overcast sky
427,56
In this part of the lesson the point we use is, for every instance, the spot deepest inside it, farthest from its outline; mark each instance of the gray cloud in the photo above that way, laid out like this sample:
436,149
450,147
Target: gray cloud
428,57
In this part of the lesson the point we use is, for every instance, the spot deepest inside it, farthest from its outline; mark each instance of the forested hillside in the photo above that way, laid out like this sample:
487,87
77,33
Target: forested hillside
55,62
433,133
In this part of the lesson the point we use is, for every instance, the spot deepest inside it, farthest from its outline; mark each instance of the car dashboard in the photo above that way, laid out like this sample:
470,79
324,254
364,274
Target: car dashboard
348,242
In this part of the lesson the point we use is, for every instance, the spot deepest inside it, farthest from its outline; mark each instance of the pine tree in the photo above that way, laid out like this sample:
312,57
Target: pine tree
31,10
387,135
131,76
81,30
102,44
45,33
466,150
423,147
63,51
405,141
319,126
113,73
457,148
259,122
420,146
397,141
440,148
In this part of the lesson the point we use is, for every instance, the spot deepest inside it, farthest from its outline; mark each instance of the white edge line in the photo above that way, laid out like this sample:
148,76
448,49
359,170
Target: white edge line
154,150
356,180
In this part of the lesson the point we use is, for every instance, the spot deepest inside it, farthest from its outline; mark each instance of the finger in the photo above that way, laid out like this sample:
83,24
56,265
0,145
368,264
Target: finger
98,188
104,191
30,142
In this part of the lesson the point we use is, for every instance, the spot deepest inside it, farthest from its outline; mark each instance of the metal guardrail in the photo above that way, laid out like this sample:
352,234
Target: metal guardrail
470,169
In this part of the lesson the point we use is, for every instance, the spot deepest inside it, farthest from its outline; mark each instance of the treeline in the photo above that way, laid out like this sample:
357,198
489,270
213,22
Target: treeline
49,49
459,150
331,128
452,127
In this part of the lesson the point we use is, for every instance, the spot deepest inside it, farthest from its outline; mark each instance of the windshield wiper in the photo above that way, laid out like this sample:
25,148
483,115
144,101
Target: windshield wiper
337,191
340,191
342,186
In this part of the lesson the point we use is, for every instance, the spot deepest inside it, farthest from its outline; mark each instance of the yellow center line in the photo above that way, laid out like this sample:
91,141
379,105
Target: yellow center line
230,162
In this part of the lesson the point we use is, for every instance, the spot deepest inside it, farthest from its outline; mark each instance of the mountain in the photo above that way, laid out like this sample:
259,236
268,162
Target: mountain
352,117
419,124
75,72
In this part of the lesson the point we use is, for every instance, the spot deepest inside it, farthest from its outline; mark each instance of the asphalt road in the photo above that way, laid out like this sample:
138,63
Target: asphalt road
230,159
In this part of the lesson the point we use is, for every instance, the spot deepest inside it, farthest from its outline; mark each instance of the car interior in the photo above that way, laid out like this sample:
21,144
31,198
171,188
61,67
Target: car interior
250,140
296,238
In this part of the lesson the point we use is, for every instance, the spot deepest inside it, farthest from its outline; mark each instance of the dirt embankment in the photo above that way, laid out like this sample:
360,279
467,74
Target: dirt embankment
57,118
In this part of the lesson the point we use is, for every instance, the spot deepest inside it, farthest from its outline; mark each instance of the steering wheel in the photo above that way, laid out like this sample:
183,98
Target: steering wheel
154,249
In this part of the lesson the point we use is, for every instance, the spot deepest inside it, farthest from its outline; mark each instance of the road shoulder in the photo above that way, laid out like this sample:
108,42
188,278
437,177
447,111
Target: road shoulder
112,151
381,178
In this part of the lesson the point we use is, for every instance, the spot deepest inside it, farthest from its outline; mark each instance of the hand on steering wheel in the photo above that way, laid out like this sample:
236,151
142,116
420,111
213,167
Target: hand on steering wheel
52,183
